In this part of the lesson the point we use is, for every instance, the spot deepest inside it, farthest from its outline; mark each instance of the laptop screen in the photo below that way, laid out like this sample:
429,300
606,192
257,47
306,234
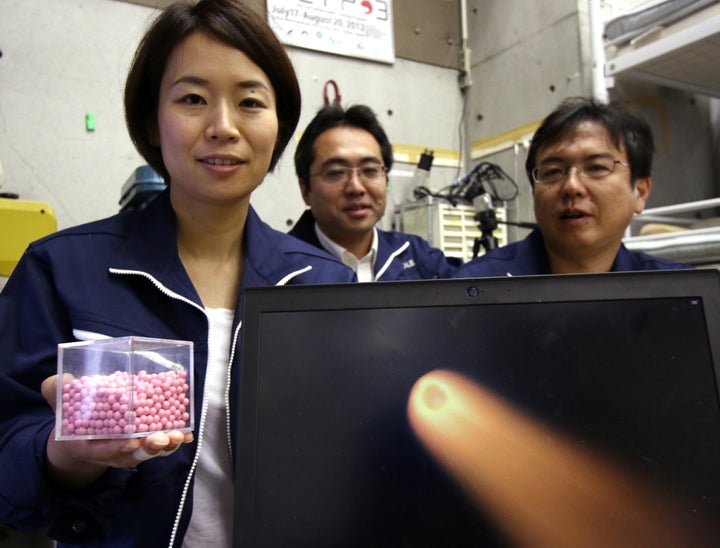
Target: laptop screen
619,368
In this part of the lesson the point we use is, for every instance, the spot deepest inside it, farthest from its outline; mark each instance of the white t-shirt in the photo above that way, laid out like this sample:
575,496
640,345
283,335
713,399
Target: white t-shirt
211,522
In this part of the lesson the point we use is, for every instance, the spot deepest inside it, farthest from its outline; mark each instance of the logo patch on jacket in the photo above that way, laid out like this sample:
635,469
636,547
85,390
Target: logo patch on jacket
409,264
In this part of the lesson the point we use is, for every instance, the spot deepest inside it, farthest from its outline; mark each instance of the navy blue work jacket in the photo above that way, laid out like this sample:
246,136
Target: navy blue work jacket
121,276
400,256
528,258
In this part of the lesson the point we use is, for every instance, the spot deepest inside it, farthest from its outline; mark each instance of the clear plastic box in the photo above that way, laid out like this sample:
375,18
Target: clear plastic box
124,387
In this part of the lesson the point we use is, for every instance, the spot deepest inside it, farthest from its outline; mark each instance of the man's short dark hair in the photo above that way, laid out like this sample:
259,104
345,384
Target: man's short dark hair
232,22
626,127
332,116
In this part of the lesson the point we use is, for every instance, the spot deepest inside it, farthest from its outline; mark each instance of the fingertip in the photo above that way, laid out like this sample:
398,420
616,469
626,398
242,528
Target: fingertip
157,440
431,391
179,437
49,383
48,389
433,395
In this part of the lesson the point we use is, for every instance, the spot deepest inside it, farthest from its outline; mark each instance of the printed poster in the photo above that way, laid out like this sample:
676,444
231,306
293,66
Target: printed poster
354,28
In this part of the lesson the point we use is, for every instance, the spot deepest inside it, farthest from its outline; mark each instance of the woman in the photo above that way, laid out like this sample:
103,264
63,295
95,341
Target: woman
211,102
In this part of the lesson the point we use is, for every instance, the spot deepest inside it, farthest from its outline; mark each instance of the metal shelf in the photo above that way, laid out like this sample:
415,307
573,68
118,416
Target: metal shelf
683,55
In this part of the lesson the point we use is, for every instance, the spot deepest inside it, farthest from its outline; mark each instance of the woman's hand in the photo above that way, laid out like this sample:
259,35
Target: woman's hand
75,464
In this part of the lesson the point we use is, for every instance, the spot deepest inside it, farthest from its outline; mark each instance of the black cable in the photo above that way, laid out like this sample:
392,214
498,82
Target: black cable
482,179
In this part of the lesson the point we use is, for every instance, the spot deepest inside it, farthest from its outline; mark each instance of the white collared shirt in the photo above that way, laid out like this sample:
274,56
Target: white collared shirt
364,268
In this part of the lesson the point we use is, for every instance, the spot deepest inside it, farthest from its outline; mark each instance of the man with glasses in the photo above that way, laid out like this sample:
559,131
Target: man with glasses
589,165
342,163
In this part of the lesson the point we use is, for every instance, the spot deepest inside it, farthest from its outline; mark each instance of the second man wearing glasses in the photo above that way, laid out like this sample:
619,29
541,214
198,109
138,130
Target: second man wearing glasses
589,165
342,162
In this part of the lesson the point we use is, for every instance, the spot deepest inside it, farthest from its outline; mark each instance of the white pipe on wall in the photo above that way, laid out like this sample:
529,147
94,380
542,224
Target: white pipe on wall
597,50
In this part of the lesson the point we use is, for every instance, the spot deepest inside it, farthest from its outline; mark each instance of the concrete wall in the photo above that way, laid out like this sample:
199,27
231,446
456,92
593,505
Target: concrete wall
62,59
681,122
528,56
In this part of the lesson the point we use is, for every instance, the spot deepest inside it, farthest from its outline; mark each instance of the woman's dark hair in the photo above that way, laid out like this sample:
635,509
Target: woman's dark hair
626,127
229,21
332,116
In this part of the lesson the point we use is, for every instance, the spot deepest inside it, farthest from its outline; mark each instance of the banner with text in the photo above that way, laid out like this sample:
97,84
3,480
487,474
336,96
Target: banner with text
354,28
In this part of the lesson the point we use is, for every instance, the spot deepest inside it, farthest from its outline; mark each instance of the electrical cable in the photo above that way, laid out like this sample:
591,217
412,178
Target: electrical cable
484,178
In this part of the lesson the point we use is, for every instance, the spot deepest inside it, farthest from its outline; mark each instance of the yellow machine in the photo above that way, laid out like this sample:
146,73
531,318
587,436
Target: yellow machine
21,222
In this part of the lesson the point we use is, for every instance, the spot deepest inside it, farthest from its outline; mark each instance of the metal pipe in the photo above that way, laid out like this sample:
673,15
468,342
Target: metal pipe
597,50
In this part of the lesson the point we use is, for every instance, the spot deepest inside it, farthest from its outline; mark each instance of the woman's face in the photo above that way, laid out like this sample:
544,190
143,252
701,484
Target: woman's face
217,122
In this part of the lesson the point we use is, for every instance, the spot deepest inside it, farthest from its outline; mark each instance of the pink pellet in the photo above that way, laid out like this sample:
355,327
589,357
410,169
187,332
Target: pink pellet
99,405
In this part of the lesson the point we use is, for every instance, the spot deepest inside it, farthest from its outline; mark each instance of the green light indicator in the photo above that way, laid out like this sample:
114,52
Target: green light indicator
90,122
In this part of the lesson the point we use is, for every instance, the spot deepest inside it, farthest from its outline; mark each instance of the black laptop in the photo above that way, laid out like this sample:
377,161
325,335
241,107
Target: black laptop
622,365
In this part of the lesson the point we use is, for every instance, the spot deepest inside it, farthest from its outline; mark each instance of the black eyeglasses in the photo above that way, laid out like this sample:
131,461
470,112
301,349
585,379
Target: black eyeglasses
594,169
371,173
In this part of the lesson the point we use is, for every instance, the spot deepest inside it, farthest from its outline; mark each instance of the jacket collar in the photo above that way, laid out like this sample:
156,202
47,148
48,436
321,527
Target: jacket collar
272,256
151,247
304,229
534,257
151,244
386,253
